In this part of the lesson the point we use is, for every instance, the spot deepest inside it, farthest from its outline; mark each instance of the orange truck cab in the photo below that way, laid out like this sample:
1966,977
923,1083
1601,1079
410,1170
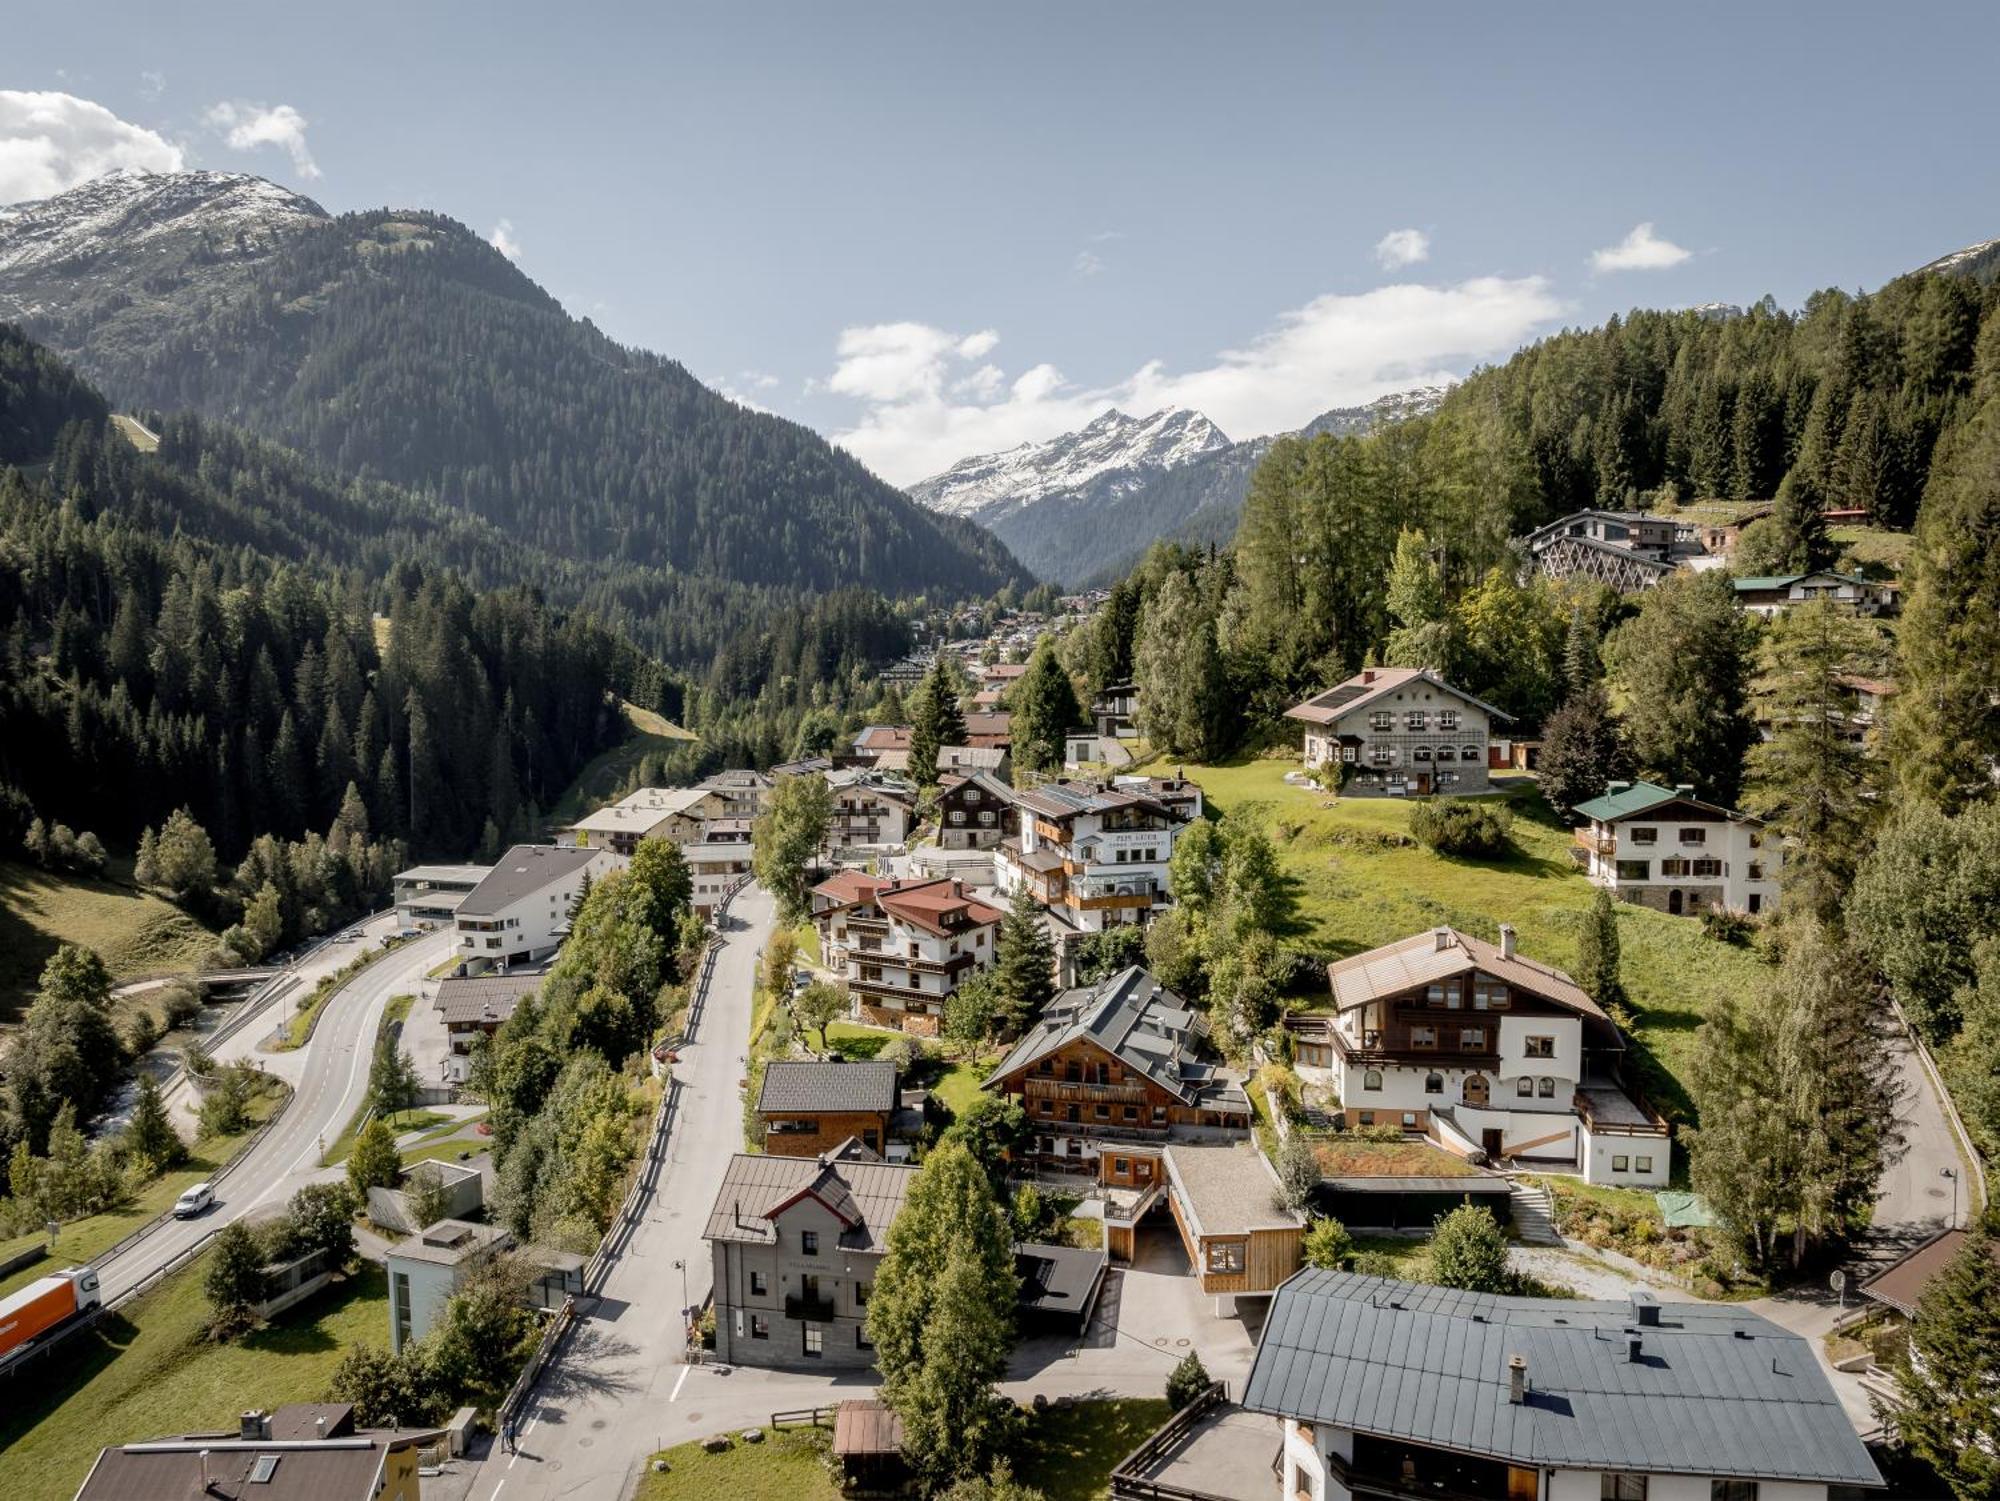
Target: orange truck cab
45,1303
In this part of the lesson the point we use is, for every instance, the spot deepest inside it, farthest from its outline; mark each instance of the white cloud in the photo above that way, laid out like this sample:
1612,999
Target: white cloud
928,400
1402,247
247,126
50,142
1641,250
1088,263
502,239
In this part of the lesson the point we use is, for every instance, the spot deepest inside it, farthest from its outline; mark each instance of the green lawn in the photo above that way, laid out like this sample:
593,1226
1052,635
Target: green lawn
150,1370
807,936
1361,881
133,931
83,1241
958,1086
1067,1454
785,1467
1411,1255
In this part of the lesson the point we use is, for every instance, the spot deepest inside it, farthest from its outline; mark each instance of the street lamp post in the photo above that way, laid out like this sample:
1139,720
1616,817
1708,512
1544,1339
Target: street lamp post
1951,1173
682,1268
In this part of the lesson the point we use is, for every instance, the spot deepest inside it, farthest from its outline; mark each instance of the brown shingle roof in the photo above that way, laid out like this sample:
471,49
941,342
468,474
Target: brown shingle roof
930,905
1902,1284
1420,959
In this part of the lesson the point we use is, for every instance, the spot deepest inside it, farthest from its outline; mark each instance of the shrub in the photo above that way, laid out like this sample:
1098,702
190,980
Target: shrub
180,1004
1458,826
1727,926
1375,1264
1328,1246
1298,1172
1188,1380
1469,1251
1283,1086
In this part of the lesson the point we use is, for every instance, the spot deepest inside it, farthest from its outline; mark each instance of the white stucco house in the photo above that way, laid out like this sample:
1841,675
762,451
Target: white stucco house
1665,848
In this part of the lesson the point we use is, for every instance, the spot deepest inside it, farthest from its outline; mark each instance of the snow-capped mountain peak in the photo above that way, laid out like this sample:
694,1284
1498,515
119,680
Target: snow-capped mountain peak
988,486
228,213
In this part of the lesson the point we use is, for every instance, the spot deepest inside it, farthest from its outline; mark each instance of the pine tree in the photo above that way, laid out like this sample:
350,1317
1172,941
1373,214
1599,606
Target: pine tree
1814,786
1024,972
1469,1251
1045,711
1597,959
151,1135
1943,730
935,720
1947,1386
1582,669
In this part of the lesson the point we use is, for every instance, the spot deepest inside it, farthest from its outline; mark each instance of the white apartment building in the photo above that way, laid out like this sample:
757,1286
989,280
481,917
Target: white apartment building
903,946
1487,1051
672,813
521,911
1400,732
1669,850
1095,852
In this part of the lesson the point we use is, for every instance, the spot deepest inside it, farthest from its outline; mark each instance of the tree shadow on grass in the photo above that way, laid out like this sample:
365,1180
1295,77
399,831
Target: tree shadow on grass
39,1385
24,948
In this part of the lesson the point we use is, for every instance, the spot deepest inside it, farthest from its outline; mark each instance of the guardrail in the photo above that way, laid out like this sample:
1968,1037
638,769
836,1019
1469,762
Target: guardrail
545,1351
803,1417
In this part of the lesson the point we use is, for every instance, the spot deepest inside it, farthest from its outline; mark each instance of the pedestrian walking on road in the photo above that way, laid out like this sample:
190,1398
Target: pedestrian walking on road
507,1433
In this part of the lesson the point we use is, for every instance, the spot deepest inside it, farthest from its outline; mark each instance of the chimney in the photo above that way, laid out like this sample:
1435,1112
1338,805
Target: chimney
1367,675
1443,938
1611,787
319,1425
1683,789
1645,1309
1634,1345
256,1426
1517,1379
1506,940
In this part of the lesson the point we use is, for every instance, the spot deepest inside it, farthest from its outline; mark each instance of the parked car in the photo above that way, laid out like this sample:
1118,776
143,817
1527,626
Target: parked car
195,1201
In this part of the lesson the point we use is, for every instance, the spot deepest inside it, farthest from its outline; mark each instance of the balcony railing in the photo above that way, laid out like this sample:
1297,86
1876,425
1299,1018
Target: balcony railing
1088,1094
1596,844
814,1310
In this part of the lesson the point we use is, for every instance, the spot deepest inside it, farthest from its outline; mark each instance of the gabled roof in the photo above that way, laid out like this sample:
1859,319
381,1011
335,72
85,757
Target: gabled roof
1764,583
940,907
1142,1024
998,723
1372,683
1901,1284
809,1087
1439,953
642,810
845,887
881,737
988,784
1645,797
521,872
1066,799
1714,1390
465,999
755,1188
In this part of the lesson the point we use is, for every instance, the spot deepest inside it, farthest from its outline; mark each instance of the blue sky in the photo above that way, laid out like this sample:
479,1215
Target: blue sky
937,229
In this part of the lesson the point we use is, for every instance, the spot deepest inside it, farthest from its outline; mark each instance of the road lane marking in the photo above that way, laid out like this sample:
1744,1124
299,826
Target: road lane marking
680,1383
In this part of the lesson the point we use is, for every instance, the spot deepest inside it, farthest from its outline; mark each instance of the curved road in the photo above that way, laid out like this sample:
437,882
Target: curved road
597,1411
329,1078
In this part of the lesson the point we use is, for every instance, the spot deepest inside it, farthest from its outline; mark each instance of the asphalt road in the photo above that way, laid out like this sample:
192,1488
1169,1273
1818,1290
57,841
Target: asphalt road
329,1077
605,1401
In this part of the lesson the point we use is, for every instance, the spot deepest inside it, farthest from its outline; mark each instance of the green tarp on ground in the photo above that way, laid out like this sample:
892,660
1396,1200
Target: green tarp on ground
1682,1211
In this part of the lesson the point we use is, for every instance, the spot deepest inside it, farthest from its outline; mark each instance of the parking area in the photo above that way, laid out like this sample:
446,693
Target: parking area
1149,1316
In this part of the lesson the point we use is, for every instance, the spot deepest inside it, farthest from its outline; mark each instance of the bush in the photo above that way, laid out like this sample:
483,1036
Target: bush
1459,826
1727,926
1283,1086
1188,1380
1376,1264
180,1004
1469,1251
1298,1172
1328,1246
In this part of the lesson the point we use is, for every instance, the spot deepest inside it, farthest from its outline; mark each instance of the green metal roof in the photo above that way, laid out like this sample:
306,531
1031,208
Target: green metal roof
1764,581
1634,799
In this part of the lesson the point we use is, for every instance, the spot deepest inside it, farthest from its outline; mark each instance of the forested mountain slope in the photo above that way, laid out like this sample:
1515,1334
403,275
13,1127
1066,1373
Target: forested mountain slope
164,643
400,346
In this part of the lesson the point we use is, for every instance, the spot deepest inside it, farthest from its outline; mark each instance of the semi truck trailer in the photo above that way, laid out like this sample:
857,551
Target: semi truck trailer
42,1305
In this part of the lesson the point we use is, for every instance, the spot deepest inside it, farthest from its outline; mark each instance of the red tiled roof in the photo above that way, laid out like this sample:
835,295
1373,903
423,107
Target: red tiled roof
928,903
845,886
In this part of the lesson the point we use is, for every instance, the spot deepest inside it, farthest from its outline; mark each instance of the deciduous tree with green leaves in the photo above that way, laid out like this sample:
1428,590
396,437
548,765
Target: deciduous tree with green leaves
1683,663
1469,1251
785,838
374,1162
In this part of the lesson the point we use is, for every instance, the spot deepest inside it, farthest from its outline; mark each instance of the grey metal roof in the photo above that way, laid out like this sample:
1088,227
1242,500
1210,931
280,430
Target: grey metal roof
467,998
835,1087
1716,1390
522,871
867,1194
1057,1279
1141,1023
